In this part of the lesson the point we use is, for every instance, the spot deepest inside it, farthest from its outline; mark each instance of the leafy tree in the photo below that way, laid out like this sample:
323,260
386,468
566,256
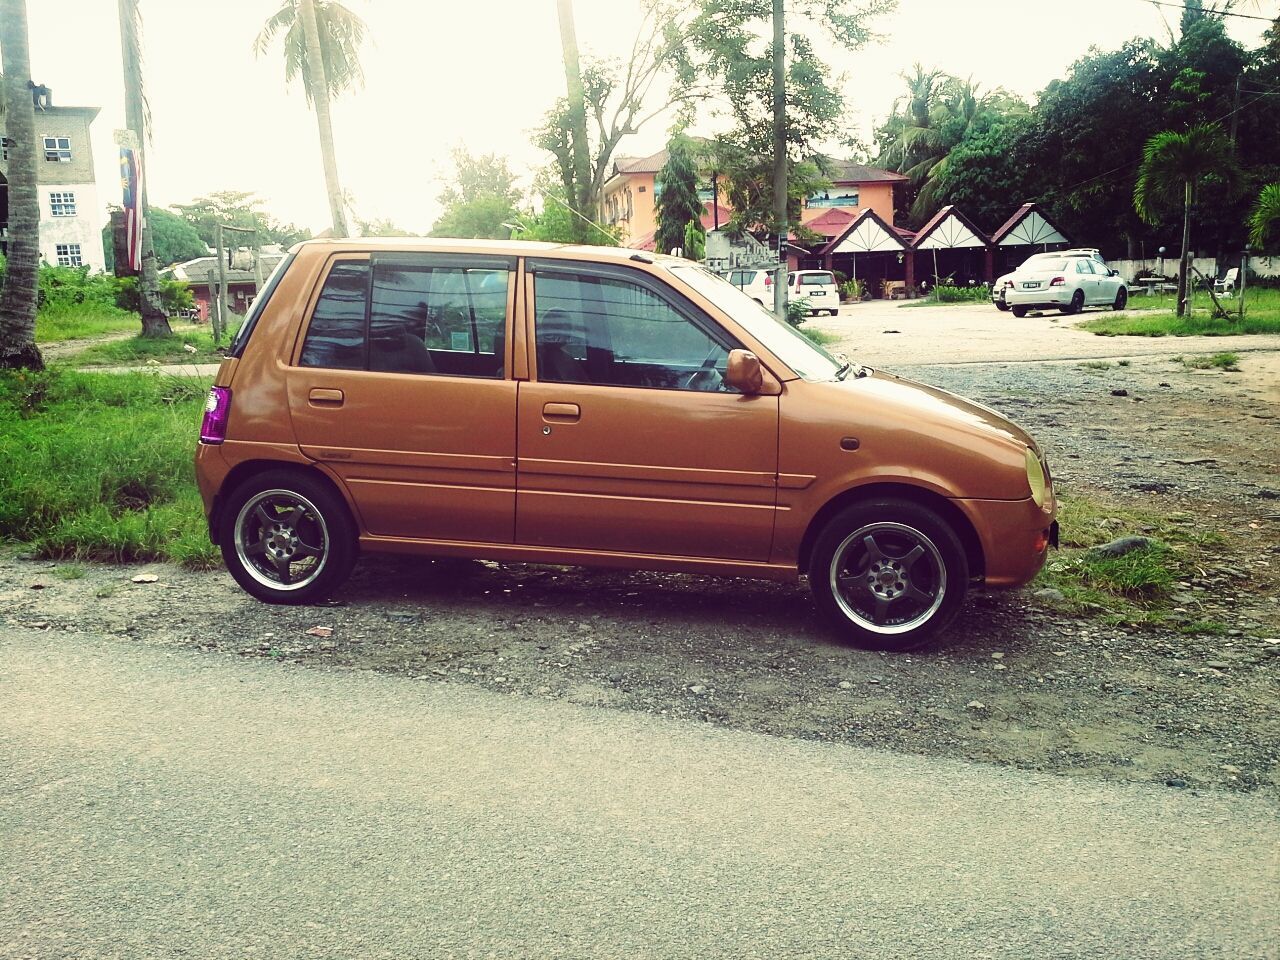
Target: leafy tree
987,173
321,43
174,238
555,222
155,320
1265,216
677,203
725,46
382,228
618,99
695,240
237,208
1176,164
479,200
18,299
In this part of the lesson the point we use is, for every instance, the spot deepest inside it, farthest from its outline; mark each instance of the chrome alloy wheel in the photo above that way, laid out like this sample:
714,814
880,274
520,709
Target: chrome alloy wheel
888,578
281,539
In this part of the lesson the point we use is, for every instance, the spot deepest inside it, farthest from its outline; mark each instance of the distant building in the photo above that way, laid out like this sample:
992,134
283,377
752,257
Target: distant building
70,210
201,275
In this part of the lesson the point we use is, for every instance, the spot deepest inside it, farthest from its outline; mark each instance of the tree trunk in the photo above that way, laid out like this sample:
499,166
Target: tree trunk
318,84
580,199
155,321
1184,266
18,301
780,157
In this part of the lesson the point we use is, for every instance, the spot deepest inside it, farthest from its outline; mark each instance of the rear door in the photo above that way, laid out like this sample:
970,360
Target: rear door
400,385
629,440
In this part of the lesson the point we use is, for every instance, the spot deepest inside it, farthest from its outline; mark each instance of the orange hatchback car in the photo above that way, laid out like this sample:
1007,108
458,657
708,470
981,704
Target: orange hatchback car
601,407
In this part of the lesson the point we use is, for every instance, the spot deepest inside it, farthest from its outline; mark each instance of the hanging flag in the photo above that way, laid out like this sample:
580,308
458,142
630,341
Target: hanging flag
131,183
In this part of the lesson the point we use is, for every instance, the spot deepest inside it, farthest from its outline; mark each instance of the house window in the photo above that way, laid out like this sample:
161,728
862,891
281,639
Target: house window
57,149
846,197
68,254
62,204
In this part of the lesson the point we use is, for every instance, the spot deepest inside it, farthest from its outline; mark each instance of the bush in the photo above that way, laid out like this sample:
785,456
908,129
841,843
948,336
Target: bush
175,295
797,311
946,292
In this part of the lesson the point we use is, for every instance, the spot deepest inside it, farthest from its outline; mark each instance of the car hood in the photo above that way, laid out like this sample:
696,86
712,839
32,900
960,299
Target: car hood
929,406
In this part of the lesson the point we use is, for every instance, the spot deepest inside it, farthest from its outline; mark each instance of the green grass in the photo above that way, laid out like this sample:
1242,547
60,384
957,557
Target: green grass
1158,319
1095,365
98,466
1219,361
79,321
1138,587
138,350
819,337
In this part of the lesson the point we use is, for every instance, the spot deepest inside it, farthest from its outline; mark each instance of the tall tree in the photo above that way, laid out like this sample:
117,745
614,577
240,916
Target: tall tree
322,41
18,299
579,148
677,203
1265,216
1176,164
479,199
175,240
137,115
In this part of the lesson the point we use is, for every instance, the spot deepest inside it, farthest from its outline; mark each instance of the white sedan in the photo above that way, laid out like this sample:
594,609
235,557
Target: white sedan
1067,284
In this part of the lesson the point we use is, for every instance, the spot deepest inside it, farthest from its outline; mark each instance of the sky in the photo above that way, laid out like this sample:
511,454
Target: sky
480,74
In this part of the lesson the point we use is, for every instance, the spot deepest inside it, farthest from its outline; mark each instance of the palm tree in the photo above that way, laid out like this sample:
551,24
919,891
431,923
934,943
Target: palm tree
1266,214
1175,164
155,321
18,301
322,41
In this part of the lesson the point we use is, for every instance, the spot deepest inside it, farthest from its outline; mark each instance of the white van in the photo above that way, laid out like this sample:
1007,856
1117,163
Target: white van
816,286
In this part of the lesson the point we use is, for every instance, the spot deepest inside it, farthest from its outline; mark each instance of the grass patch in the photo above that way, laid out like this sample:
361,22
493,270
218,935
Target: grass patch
819,337
1138,587
65,321
69,571
139,350
1095,365
1262,315
98,466
1219,361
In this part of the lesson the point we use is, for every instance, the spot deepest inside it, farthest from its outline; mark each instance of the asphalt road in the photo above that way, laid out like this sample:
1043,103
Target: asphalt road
158,803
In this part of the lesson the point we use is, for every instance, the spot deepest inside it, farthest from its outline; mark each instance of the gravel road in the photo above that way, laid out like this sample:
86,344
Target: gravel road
160,803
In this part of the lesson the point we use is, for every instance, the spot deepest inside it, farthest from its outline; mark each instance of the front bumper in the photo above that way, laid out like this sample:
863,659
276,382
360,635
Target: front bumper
1015,535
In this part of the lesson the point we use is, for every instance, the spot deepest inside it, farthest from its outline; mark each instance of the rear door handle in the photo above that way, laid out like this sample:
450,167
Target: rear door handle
325,397
561,412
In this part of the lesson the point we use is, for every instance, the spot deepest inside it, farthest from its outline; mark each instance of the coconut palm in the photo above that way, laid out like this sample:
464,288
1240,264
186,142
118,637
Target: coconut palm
1174,165
321,40
18,301
1266,214
155,321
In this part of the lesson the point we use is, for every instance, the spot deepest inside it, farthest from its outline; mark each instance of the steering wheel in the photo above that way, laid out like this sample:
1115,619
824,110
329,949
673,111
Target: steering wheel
708,366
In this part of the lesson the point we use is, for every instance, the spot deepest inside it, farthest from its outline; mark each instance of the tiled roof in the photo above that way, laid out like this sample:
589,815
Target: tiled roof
196,272
832,222
844,171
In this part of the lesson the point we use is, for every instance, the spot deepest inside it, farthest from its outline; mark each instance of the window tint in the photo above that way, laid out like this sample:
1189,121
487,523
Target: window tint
434,319
1082,266
609,331
335,336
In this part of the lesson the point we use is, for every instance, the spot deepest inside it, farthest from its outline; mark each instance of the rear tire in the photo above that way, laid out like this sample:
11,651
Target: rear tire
1001,306
888,574
1019,312
1122,299
287,537
1076,305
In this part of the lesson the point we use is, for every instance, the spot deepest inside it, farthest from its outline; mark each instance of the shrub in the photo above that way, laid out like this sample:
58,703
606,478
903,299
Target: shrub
946,292
175,295
797,311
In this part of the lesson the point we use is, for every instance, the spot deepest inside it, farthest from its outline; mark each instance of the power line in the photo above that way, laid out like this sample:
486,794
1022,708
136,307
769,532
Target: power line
1212,13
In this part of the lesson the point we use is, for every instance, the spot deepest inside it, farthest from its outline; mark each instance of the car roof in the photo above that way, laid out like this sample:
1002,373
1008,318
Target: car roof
515,248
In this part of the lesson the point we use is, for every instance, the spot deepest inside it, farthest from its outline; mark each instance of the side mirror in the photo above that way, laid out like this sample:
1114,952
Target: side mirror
743,371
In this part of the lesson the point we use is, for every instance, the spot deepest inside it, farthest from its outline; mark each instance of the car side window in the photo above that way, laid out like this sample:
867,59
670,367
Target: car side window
335,336
602,330
1082,266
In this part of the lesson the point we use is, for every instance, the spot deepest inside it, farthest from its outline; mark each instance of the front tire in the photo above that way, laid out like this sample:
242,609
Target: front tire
888,574
287,537
1076,305
1122,299
1019,312
1001,306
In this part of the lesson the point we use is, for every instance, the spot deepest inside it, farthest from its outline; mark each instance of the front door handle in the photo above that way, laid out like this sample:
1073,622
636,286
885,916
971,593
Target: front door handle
561,412
325,397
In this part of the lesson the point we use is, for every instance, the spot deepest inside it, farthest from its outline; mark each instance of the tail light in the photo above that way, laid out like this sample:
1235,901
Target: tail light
768,279
213,428
1057,281
1008,284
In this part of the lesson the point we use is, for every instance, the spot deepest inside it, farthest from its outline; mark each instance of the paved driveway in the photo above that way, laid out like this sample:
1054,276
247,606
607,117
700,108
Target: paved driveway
156,803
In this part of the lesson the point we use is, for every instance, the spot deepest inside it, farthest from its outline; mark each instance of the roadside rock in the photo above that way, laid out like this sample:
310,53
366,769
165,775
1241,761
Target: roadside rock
1120,546
1049,593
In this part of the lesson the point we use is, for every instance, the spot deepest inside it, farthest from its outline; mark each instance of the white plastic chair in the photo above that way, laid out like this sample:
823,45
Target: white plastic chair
1227,285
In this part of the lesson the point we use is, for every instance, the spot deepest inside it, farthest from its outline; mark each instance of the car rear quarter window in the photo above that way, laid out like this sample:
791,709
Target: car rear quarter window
336,335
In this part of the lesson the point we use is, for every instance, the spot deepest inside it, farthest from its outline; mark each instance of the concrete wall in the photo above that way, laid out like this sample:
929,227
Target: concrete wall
1263,266
85,228
871,196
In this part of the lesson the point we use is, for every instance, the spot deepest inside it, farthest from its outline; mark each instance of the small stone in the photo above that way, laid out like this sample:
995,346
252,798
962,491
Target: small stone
1120,546
997,655
698,689
1217,664
38,586
320,632
1176,782
873,679
845,685
145,578
1049,593
1230,769
1119,393
998,666
975,705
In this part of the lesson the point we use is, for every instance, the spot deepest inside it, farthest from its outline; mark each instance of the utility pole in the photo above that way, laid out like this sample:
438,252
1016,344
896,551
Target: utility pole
580,200
780,158
1235,113
224,291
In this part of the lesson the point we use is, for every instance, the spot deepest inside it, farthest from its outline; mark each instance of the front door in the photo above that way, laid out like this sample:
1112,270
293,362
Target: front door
629,440
401,387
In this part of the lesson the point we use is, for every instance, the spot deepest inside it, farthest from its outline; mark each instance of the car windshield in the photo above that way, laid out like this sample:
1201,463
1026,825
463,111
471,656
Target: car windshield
791,347
816,279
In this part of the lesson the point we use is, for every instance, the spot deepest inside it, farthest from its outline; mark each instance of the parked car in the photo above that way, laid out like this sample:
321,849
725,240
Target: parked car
816,286
1003,283
538,403
1068,284
756,283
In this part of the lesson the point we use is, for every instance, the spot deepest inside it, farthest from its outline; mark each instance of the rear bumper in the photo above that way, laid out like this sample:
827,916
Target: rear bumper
1015,535
1044,297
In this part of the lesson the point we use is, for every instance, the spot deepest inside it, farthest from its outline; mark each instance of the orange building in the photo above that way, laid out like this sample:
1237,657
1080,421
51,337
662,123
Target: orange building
629,199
